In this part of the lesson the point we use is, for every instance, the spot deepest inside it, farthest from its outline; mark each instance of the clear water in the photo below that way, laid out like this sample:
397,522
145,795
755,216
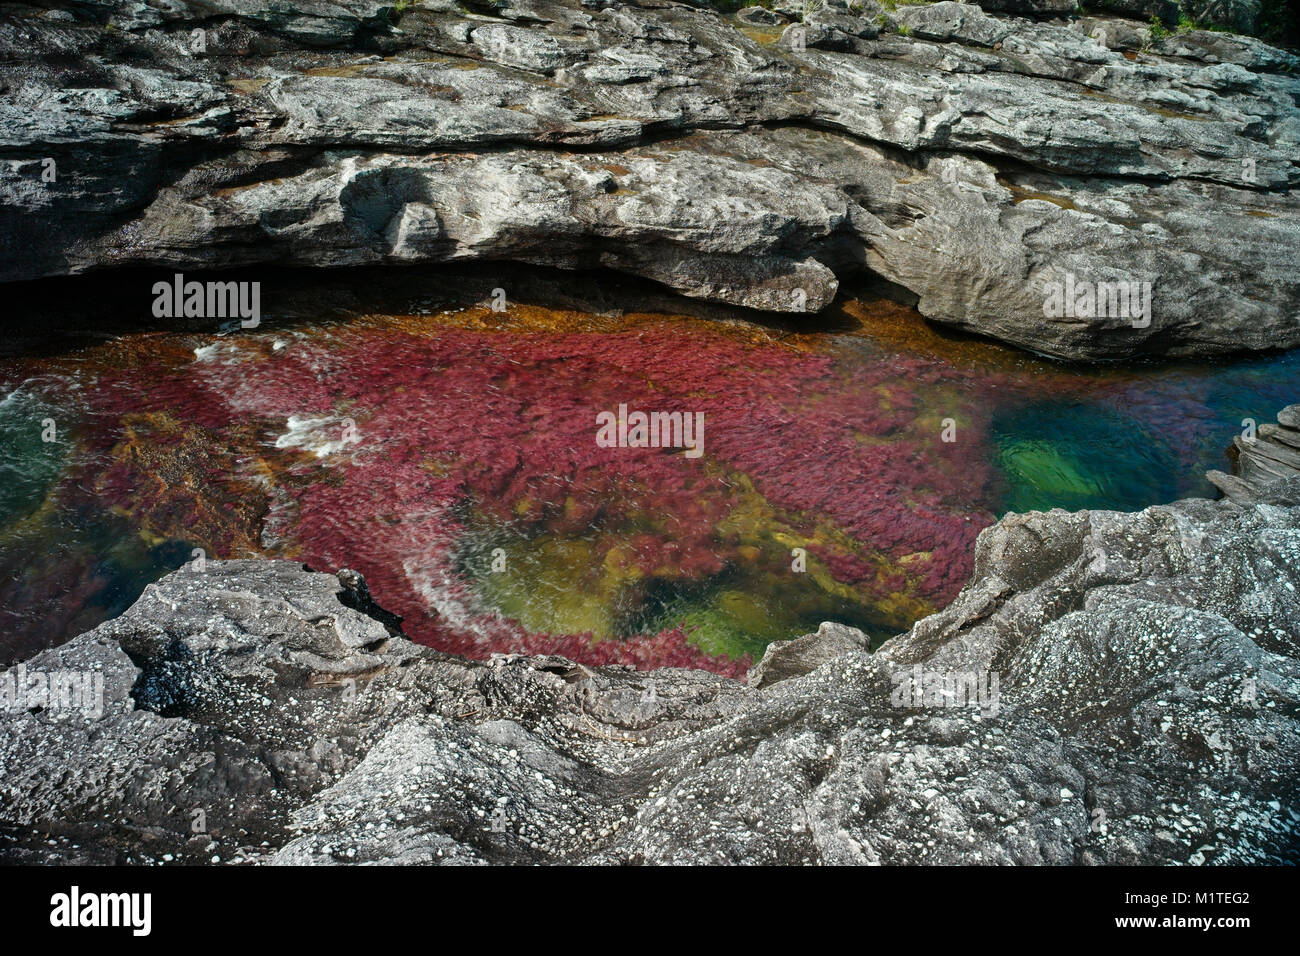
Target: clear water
471,492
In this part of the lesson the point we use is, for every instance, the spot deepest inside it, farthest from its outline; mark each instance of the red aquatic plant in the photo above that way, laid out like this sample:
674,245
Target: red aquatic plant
449,421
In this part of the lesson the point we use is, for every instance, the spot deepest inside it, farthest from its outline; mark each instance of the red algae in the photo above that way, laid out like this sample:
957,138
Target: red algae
453,460
370,441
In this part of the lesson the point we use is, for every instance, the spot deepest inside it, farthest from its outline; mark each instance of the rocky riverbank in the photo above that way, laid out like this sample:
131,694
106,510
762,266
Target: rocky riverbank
973,159
1108,688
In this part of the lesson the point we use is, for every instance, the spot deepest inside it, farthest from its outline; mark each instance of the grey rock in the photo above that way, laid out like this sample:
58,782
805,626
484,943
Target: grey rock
948,20
785,659
759,16
240,690
1213,47
849,25
1281,434
799,37
339,133
1115,34
1265,462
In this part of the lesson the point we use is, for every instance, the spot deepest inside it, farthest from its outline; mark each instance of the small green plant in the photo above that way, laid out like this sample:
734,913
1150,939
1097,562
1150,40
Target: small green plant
904,30
1187,23
1158,31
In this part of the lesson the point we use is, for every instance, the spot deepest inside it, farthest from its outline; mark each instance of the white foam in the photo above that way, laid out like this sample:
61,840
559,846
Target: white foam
321,436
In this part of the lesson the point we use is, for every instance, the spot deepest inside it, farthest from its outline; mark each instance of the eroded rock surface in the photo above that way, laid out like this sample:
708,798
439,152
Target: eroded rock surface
972,159
1109,688
1263,456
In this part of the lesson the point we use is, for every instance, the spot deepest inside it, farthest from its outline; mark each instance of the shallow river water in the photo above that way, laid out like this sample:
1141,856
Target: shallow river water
451,457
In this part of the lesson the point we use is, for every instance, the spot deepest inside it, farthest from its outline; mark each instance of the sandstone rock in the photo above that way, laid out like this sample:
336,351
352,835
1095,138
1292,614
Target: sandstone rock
799,37
785,659
337,133
1281,434
1265,462
949,20
1115,34
759,15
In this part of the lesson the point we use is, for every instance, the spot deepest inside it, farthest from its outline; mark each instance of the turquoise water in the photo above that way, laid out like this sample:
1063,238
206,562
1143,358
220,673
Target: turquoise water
34,451
1148,442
